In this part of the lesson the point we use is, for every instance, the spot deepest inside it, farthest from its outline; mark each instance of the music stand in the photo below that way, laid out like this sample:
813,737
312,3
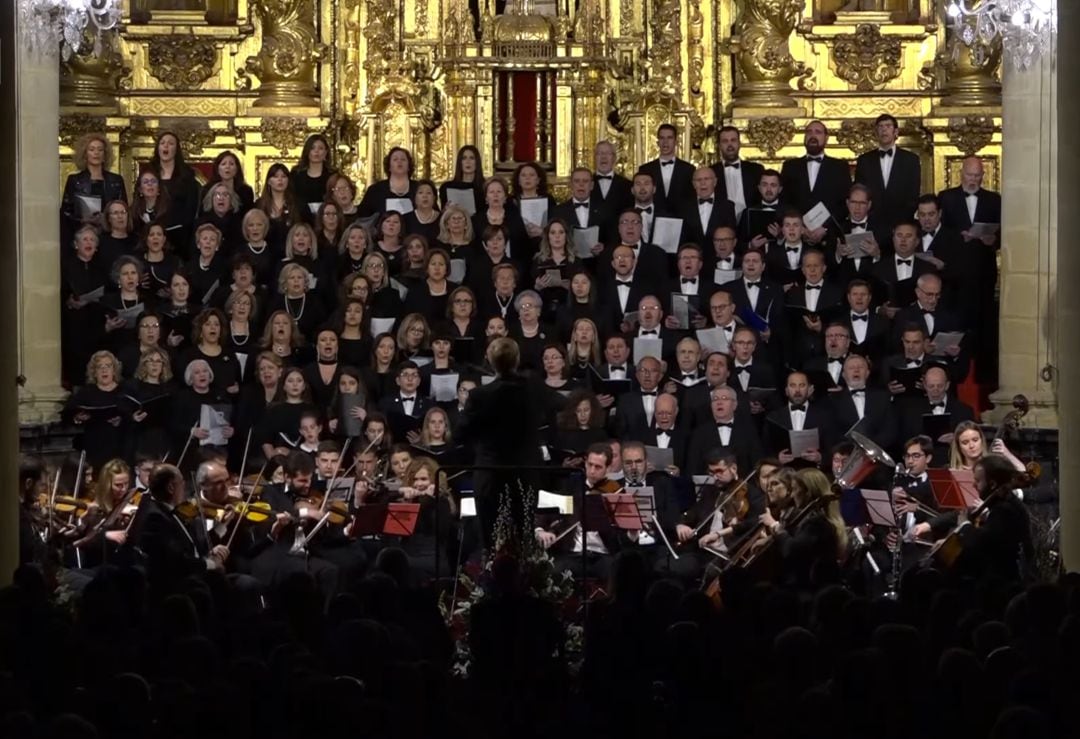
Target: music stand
622,508
401,519
953,489
368,519
879,508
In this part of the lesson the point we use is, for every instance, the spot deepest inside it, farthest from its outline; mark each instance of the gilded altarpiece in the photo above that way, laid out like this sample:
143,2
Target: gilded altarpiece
531,79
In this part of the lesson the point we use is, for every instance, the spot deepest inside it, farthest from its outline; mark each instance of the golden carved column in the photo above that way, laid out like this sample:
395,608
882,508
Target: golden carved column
37,211
285,64
970,71
760,45
1029,321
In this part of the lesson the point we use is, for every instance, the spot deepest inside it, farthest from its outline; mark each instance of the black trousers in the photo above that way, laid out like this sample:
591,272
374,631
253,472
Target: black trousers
495,489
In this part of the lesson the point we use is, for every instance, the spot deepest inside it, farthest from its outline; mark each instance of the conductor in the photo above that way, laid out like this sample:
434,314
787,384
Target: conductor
501,421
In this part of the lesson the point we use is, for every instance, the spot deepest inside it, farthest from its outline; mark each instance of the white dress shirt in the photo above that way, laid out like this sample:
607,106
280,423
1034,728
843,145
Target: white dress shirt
858,396
665,173
689,288
971,200
798,419
834,367
793,257
617,374
752,292
648,402
604,182
886,163
704,211
928,238
734,185
663,438
742,377
725,433
623,290
940,410
582,214
904,271
407,404
812,169
859,329
812,296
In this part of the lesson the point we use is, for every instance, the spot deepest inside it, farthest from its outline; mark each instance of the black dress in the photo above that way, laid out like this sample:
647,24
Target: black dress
432,307
308,189
183,190
161,273
209,282
80,183
430,231
375,197
81,328
355,352
151,435
224,366
101,440
280,425
111,248
185,415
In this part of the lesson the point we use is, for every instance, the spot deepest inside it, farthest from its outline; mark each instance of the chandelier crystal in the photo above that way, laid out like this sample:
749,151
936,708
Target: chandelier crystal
1024,26
48,27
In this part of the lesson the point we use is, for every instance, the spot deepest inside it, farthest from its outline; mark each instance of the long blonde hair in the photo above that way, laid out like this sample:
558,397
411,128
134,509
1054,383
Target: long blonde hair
957,460
103,485
813,485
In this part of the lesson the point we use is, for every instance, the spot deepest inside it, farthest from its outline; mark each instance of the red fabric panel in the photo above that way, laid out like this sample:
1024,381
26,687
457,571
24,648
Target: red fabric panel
525,111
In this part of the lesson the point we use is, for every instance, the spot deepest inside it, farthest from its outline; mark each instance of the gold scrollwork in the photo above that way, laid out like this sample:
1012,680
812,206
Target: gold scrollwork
760,45
666,54
696,30
858,135
194,136
770,134
285,64
971,133
283,132
77,124
866,58
181,62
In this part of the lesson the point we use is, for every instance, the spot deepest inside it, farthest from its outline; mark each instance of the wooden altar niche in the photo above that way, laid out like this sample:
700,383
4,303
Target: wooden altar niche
523,81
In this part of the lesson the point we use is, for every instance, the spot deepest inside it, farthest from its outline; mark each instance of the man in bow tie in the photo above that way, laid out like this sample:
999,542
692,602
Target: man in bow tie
858,237
406,410
809,308
650,326
894,175
958,265
687,371
783,258
962,207
797,414
726,431
827,372
692,284
935,402
913,496
651,259
897,274
666,433
580,211
748,371
634,410
758,223
671,175
722,261
737,178
816,177
927,312
706,211
610,189
862,408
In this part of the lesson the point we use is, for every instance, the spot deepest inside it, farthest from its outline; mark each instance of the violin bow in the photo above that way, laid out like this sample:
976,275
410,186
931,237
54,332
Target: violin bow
52,504
720,504
243,462
247,501
334,477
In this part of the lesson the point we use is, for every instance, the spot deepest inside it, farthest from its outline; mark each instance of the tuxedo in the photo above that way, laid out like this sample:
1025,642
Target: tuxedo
699,300
758,373
393,407
612,310
913,409
875,342
777,266
695,405
743,443
681,183
897,291
896,199
651,266
668,340
961,273
749,172
877,423
944,320
770,296
694,231
631,419
955,372
778,421
830,187
820,371
804,343
568,212
678,440
170,548
619,195
843,270
956,213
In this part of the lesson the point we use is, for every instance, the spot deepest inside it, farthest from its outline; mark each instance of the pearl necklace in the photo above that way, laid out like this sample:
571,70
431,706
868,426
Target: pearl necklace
303,304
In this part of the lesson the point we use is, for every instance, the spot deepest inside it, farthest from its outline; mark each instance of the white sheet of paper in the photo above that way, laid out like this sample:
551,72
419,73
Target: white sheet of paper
666,233
680,308
564,504
131,315
804,441
700,480
584,240
724,276
487,379
946,339
659,458
382,325
712,340
93,296
444,387
313,207
402,290
647,347
978,230
457,270
631,319
468,507
816,217
214,421
535,211
401,205
464,199
859,242
926,256
422,361
88,205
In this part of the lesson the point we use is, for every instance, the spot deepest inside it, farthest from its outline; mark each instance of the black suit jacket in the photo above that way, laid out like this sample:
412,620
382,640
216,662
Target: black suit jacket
650,269
630,419
944,320
778,420
831,187
400,422
955,213
611,312
619,196
844,270
751,176
159,536
899,292
678,442
802,342
744,444
898,199
723,214
598,215
761,374
912,411
877,423
700,302
682,182
875,343
777,266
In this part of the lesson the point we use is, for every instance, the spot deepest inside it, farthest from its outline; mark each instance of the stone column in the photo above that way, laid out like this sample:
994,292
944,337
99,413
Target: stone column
1068,302
1029,322
9,430
38,214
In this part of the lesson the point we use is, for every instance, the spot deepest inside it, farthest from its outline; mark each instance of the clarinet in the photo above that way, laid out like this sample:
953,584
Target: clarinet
896,549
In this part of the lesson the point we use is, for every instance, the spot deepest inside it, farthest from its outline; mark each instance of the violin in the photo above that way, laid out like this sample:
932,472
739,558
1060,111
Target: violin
607,487
336,510
194,508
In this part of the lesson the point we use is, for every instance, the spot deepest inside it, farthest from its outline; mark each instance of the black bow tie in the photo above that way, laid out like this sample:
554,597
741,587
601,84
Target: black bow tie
702,201
667,163
860,224
903,261
582,205
617,368
927,311
814,159
914,362
733,165
624,282
857,317
743,370
858,391
885,153
938,405
662,432
754,284
643,210
813,287
729,328
689,375
792,249
649,392
603,177
405,398
836,360
725,424
648,332
798,408
689,280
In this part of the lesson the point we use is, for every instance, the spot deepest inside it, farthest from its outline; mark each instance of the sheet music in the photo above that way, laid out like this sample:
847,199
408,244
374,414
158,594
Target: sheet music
666,233
804,441
660,458
468,507
680,308
816,217
946,340
712,340
402,290
131,315
535,211
382,325
647,347
444,387
464,199
457,270
722,276
584,239
978,230
89,206
215,419
564,504
859,242
401,205
93,296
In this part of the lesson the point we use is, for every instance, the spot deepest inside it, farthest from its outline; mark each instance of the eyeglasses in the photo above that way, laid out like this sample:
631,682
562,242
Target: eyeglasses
150,325
528,305
913,455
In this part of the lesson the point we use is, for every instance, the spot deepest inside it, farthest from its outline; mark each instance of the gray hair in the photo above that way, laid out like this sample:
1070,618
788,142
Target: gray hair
525,294
190,369
724,388
234,200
